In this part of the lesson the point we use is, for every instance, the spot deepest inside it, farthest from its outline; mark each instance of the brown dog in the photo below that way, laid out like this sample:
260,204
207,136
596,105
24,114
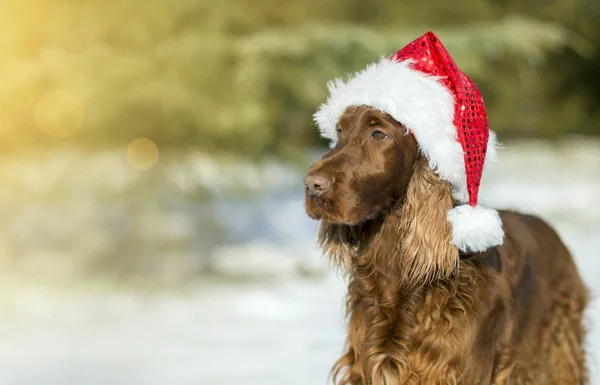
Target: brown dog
421,312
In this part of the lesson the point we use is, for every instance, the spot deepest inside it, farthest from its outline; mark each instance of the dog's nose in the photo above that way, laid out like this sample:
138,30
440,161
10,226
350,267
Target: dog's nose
317,184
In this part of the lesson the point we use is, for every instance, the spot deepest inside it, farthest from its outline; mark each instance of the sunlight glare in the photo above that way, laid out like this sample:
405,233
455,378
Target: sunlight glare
59,113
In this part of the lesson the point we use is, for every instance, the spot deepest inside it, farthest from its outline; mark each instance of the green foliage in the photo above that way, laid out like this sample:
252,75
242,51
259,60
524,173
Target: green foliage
246,76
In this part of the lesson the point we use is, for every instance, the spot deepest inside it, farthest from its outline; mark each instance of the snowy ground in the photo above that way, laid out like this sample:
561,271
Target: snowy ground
275,315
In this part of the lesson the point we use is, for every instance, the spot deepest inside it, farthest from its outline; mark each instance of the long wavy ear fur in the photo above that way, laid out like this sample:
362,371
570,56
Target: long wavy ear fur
426,253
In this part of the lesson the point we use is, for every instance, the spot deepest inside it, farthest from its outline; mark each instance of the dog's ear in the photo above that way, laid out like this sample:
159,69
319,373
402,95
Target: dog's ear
427,253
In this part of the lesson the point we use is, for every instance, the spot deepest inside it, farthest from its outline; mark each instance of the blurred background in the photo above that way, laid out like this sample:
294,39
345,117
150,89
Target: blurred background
152,227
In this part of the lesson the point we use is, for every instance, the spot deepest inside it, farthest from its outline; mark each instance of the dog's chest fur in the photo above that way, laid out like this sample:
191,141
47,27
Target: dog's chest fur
426,335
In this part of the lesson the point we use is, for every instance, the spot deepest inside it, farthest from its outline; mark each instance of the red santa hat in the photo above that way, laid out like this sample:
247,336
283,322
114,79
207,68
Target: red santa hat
422,88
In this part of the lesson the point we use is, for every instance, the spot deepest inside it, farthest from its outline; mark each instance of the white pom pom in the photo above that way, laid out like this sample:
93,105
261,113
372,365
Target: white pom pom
475,229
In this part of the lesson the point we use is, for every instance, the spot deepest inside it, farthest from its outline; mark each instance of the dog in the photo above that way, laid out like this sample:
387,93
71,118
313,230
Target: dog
420,311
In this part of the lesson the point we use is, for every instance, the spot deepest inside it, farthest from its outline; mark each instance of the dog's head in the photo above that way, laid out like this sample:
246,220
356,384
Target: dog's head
365,173
376,180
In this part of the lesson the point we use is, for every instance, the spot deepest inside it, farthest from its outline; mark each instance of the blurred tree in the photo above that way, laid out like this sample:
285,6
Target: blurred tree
246,76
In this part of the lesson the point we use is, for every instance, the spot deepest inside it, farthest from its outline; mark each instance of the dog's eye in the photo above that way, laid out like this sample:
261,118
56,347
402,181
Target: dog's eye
338,131
379,136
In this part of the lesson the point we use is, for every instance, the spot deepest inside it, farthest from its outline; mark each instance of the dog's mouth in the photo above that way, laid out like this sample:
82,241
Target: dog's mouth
322,208
318,207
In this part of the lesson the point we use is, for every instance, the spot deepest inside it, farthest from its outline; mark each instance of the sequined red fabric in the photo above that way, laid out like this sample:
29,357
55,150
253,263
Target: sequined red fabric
470,118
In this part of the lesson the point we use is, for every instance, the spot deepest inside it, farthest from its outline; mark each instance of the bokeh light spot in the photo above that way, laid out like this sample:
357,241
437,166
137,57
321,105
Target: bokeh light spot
59,113
142,154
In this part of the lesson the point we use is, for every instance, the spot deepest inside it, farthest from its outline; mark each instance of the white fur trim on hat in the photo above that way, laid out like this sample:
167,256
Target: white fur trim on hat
475,229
